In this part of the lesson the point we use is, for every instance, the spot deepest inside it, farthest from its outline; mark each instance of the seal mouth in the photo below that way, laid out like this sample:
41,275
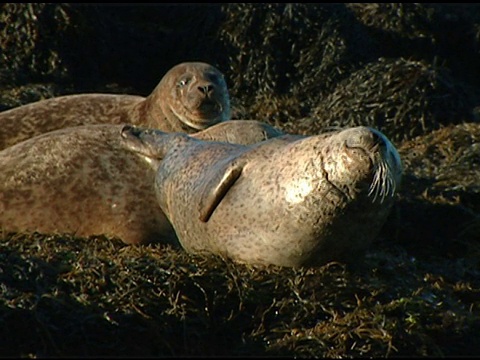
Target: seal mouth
201,123
208,109
206,114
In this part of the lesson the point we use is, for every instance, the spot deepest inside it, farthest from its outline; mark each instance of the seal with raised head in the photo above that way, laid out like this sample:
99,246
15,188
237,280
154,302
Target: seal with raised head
190,97
85,181
289,201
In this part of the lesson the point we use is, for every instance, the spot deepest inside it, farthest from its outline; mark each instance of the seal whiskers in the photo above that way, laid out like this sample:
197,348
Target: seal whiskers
388,169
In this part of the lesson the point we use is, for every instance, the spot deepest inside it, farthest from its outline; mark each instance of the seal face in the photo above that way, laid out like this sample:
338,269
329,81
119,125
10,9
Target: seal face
85,181
190,97
288,201
197,97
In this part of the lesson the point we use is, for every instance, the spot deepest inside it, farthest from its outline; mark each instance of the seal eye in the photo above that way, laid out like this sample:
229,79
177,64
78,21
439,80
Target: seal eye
183,82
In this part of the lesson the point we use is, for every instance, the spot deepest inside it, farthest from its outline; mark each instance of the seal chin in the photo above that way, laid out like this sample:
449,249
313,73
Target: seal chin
200,124
209,114
201,120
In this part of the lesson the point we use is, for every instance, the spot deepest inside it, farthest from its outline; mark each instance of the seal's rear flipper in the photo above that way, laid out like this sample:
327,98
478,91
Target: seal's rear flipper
217,186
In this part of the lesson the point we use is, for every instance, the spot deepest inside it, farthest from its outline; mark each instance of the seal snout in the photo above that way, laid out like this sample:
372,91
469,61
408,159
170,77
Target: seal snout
388,168
390,151
209,105
368,145
206,89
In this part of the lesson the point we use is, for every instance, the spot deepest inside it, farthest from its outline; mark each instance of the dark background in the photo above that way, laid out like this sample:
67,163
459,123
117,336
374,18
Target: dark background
405,68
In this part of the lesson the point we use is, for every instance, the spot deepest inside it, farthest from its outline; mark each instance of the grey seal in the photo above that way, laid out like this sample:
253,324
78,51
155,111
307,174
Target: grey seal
190,97
85,181
289,201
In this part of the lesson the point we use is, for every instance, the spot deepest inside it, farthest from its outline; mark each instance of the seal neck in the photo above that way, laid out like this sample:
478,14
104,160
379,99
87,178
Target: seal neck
141,114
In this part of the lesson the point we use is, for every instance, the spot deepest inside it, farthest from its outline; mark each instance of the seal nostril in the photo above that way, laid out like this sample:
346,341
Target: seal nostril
378,139
206,89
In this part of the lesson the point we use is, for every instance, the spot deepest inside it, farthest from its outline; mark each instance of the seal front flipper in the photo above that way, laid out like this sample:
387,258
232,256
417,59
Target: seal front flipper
152,144
141,140
216,186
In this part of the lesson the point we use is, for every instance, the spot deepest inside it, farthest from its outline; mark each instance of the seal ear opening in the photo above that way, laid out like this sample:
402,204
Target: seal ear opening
215,189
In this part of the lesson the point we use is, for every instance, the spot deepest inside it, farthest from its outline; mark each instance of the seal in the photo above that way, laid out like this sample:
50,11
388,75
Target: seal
190,97
290,201
85,181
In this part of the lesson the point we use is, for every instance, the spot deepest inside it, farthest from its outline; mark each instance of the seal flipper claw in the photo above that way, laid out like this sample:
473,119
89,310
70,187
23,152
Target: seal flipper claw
129,130
153,144
217,186
132,138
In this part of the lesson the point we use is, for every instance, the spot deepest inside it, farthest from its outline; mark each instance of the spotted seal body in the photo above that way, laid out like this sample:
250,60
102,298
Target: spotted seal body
190,97
85,181
288,201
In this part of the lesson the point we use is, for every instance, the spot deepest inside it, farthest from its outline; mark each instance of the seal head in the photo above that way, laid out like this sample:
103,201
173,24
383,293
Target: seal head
190,97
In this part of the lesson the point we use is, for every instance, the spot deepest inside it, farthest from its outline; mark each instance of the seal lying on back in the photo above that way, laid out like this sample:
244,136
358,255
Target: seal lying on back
288,201
84,180
190,97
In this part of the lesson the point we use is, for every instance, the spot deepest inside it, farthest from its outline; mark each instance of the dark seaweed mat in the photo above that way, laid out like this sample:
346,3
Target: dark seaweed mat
62,296
402,98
